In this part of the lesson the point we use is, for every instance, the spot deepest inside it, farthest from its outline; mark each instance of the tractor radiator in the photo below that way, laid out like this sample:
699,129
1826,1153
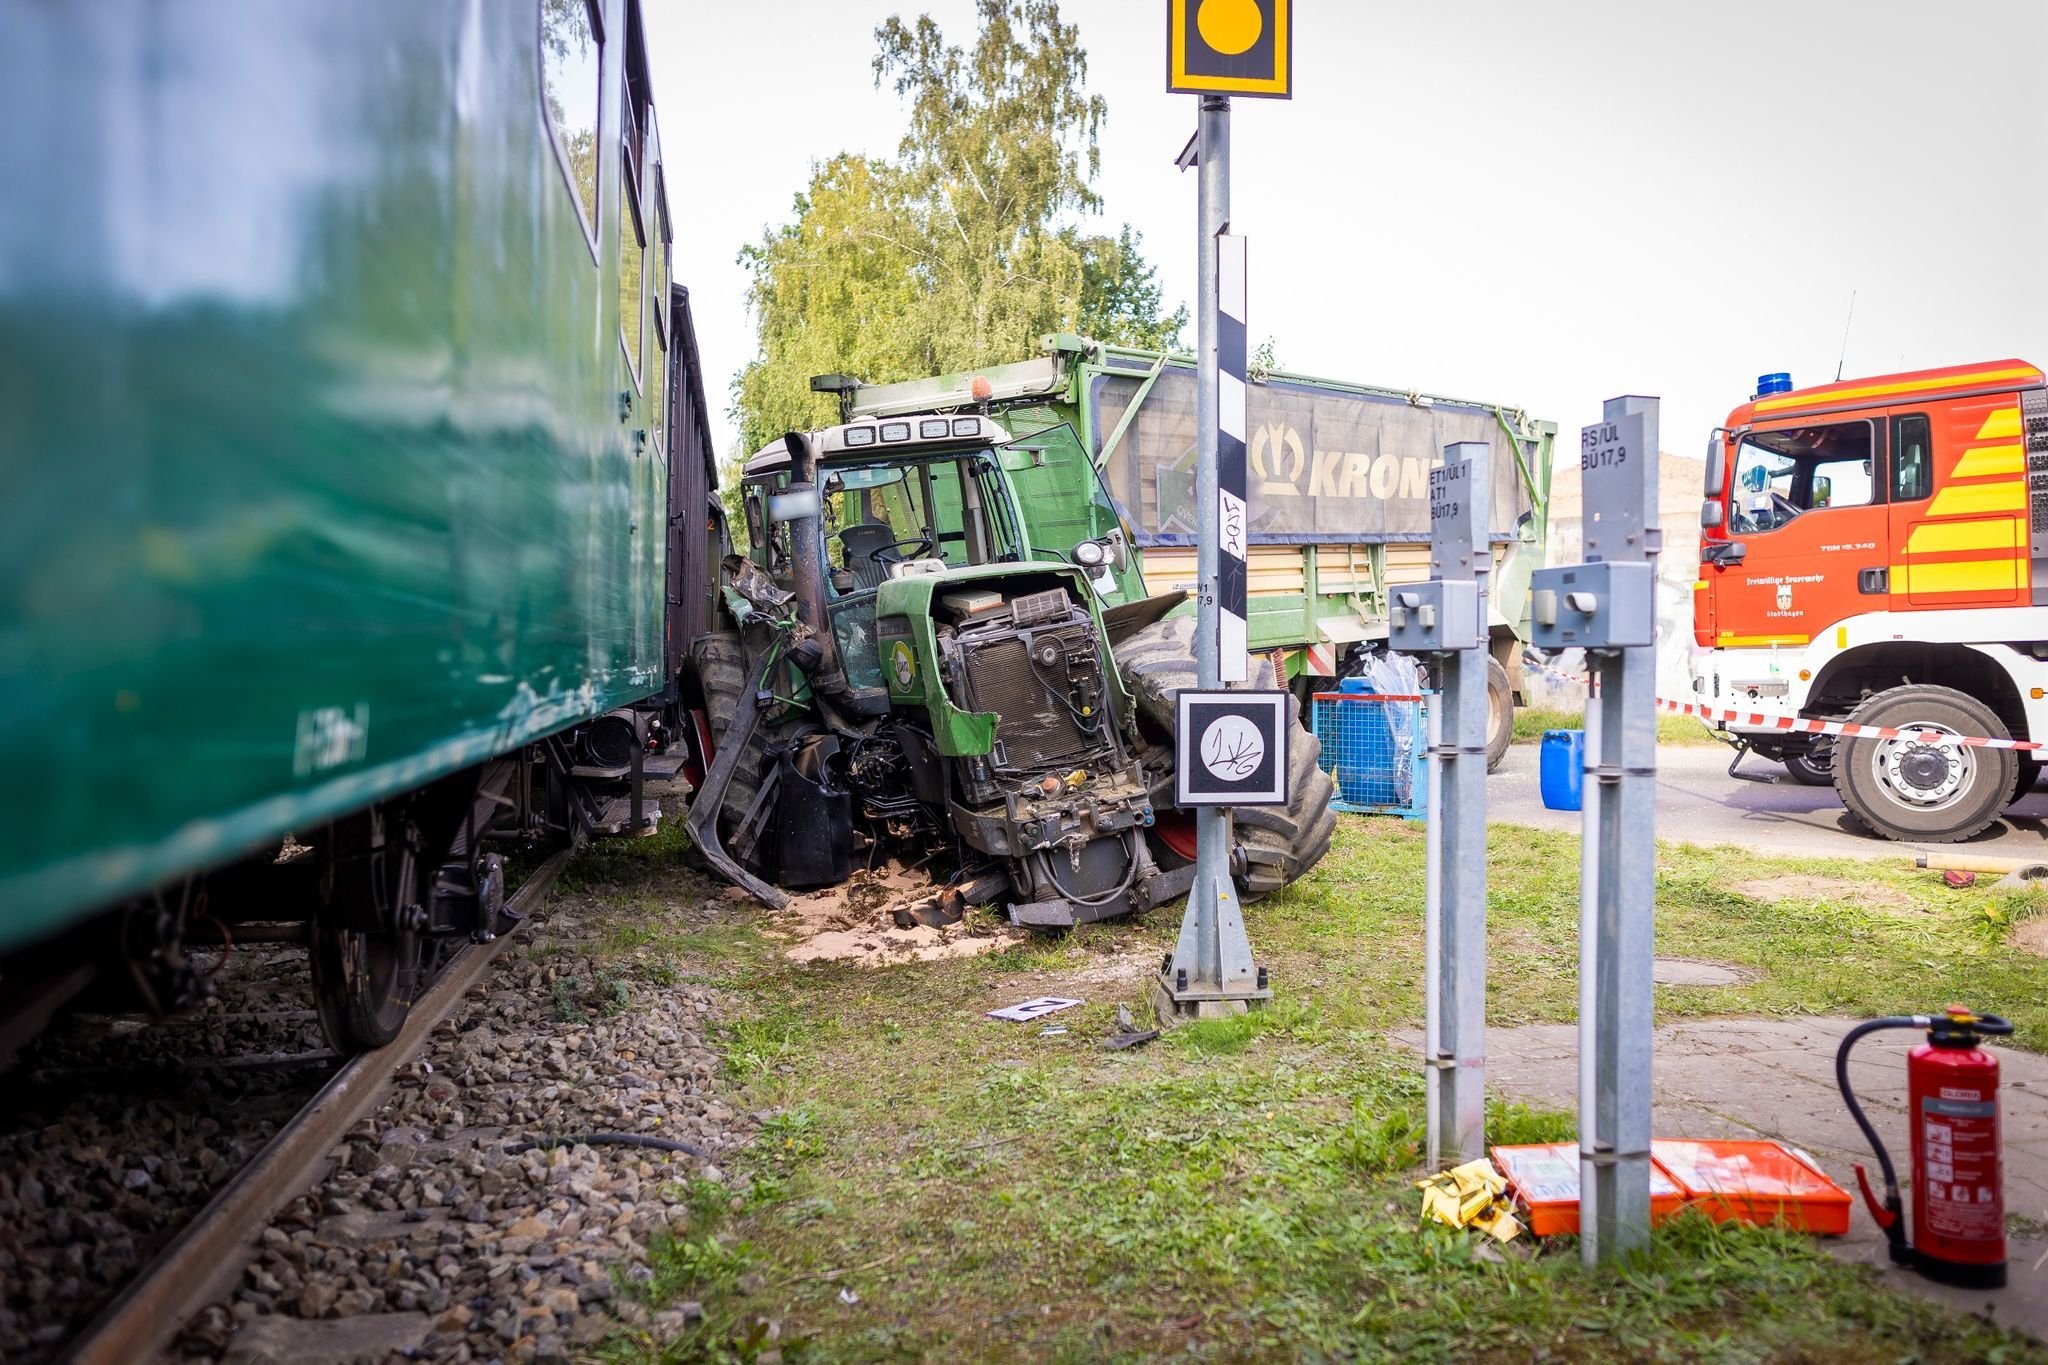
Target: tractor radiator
1045,685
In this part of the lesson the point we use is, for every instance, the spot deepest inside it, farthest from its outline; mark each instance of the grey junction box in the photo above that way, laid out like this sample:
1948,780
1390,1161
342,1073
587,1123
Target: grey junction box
1433,617
1609,605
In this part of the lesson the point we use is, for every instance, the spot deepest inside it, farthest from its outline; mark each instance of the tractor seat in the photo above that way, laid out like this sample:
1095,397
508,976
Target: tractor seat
864,543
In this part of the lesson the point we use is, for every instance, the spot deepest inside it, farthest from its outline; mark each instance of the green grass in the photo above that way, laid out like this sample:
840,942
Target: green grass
1243,1188
1532,721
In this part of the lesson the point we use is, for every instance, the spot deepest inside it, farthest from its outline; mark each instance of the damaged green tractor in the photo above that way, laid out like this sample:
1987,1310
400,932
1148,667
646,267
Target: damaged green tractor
916,658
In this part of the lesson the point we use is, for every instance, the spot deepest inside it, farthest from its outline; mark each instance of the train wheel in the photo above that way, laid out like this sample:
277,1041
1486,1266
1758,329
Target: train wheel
365,979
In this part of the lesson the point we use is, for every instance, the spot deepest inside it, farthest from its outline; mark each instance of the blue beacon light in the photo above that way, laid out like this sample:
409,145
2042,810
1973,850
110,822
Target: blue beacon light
1767,384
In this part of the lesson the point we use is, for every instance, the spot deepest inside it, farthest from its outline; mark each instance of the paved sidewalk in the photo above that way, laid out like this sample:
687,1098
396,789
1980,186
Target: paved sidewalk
1698,803
1775,1078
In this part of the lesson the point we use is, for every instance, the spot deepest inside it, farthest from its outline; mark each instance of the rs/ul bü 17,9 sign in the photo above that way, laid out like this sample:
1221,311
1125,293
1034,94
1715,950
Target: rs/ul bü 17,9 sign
1617,473
1232,748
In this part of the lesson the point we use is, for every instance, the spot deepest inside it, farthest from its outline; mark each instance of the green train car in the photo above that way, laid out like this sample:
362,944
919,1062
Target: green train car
357,481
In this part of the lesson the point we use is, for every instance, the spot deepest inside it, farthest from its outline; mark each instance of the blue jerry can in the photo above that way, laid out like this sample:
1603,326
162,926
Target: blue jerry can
1563,769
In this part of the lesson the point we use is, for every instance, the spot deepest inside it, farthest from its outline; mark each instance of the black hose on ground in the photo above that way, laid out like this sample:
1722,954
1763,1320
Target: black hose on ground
659,1144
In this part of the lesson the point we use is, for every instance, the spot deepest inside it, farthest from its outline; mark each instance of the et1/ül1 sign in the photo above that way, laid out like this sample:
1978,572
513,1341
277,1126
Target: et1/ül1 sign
1232,748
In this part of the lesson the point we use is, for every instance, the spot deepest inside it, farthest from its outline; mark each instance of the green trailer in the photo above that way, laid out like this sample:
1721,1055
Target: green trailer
1338,488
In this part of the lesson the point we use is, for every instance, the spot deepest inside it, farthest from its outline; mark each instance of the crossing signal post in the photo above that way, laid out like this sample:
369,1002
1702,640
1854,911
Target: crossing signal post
1216,48
1607,607
1444,620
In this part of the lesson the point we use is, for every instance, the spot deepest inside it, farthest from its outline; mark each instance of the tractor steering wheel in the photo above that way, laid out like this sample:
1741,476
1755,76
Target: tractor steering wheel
921,545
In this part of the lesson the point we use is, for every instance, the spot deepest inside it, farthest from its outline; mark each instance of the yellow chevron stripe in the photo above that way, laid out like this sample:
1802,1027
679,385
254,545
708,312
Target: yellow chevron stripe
1939,537
2001,424
1986,461
1972,575
1976,499
1954,381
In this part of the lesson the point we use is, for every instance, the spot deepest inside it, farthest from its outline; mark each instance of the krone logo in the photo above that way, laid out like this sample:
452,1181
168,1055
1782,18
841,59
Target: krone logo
1232,748
1278,459
1784,597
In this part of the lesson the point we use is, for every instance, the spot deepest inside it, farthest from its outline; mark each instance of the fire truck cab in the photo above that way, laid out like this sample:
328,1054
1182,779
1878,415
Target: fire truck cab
1876,551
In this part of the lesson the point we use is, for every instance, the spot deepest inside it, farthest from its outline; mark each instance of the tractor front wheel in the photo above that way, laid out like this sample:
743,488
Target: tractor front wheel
1274,844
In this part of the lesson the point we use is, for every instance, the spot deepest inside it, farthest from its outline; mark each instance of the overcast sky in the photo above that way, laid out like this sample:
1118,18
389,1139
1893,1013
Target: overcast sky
1533,202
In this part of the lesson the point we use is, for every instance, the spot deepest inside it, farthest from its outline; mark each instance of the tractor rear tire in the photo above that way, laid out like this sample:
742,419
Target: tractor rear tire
1935,794
722,675
1275,844
1500,713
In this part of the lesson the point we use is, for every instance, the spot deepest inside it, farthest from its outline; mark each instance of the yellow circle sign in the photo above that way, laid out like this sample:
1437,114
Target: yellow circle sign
1230,26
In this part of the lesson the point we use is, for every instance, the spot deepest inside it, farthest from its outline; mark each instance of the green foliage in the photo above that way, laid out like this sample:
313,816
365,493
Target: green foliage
964,250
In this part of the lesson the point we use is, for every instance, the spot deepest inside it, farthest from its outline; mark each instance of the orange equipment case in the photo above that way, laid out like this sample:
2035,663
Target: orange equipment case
1544,1180
1755,1182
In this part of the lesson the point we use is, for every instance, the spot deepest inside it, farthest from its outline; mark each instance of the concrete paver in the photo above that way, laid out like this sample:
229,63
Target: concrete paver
1698,803
1775,1078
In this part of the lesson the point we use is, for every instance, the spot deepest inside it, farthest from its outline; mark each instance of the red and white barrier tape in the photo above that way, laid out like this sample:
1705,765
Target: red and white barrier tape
1765,720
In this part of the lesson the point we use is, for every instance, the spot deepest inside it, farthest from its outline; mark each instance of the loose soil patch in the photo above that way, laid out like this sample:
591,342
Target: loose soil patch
1803,886
856,923
2032,936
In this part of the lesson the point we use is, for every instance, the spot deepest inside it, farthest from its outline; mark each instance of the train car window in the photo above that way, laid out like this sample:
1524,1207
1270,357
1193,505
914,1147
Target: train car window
656,181
632,247
572,88
657,391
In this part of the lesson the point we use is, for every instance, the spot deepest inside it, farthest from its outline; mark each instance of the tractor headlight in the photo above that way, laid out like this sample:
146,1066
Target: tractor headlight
1090,554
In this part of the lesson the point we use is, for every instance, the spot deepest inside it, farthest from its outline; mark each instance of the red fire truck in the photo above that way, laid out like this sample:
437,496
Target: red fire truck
1876,551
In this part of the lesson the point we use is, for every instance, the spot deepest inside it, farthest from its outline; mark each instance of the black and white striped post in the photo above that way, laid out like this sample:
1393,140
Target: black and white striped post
1211,970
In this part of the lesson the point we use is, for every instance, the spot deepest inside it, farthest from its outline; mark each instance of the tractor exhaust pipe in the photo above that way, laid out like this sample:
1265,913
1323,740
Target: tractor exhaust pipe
807,561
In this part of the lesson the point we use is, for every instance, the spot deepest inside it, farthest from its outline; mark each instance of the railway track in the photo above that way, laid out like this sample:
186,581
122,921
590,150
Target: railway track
202,1263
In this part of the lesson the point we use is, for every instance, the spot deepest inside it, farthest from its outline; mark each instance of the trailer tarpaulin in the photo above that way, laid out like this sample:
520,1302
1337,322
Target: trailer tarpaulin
1323,465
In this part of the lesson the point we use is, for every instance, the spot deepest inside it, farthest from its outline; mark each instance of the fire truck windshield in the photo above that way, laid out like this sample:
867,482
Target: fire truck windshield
1786,473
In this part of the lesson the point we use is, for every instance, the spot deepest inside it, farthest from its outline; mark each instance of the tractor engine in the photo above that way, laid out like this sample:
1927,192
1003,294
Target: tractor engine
1056,797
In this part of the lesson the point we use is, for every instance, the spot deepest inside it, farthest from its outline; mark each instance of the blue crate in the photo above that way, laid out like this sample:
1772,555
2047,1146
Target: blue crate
1374,748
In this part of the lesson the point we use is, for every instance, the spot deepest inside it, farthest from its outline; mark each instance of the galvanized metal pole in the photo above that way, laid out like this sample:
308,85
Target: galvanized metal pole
1211,968
1445,620
1457,1071
1620,822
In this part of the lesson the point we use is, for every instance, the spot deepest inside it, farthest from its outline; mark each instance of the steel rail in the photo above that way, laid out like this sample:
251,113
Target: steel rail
202,1263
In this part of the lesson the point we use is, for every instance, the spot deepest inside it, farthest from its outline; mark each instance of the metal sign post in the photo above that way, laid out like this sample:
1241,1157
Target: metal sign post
1445,619
1215,50
1211,970
1607,607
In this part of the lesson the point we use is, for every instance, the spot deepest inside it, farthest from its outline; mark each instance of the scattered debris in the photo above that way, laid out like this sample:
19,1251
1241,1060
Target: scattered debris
2022,878
1123,1042
1473,1195
1025,1011
848,1297
1052,1031
1958,879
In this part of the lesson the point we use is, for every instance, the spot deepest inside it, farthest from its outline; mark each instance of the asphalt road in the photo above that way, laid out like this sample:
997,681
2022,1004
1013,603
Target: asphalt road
1698,803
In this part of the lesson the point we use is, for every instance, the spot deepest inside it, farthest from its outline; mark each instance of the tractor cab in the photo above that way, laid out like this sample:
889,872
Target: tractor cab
927,497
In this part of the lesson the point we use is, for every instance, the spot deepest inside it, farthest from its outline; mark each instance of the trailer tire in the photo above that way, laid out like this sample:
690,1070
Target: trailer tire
1500,713
1922,793
720,660
1274,844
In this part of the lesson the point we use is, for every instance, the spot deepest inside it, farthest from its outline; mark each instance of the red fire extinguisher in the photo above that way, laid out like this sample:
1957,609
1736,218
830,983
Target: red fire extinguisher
1958,1197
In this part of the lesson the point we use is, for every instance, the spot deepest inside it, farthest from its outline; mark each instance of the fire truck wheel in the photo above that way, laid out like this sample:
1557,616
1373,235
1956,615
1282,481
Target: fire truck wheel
1928,793
1500,714
1815,766
2023,780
